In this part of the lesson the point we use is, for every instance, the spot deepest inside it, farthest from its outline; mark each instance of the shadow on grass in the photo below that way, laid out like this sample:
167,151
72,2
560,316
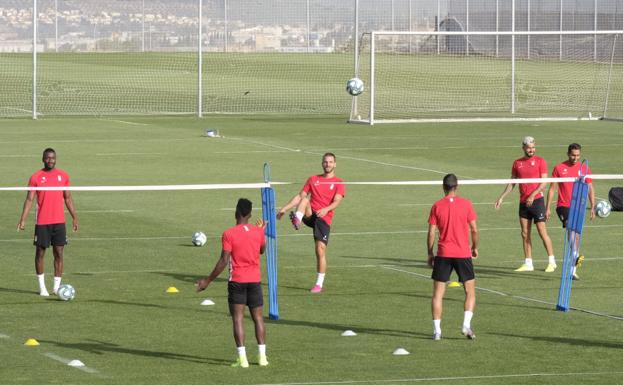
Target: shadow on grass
100,347
566,340
341,328
189,278
19,291
401,261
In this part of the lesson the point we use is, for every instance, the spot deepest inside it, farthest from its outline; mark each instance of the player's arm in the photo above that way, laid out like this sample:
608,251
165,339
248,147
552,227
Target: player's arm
550,196
430,243
337,199
292,203
218,269
473,228
262,225
591,198
30,197
509,187
538,190
69,202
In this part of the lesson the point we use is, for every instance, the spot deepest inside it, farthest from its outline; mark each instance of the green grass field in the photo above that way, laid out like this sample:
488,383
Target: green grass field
131,246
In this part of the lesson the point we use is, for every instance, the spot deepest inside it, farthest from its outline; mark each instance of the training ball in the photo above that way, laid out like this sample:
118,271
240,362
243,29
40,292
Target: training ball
66,292
354,86
199,239
603,208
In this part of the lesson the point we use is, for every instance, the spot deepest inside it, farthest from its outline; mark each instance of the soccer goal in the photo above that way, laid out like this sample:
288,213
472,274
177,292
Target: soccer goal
445,76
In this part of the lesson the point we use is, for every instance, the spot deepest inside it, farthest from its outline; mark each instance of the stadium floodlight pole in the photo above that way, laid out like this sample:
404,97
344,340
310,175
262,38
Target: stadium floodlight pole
34,59
513,58
56,25
595,28
467,27
200,61
308,28
143,27
438,25
560,41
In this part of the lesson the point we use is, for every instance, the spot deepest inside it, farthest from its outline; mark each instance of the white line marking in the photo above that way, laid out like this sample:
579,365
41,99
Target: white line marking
265,144
462,378
389,267
106,211
125,122
19,156
4,336
129,153
431,203
66,361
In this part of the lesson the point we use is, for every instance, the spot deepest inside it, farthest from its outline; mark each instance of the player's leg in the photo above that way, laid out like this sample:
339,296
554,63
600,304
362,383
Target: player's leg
526,227
237,298
465,270
260,334
303,209
41,242
537,210
58,240
442,268
321,238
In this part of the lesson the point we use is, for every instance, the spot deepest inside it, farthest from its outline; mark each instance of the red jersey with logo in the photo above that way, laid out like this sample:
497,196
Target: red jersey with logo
323,191
565,189
532,167
244,242
51,203
452,216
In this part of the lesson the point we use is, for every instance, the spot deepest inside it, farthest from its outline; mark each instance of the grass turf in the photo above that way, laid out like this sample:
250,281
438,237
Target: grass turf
133,245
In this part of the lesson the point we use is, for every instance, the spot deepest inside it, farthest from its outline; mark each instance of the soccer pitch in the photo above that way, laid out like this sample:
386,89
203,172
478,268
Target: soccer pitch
132,246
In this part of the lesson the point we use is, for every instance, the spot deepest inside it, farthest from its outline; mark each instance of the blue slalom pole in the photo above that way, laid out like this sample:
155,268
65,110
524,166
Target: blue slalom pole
573,238
269,215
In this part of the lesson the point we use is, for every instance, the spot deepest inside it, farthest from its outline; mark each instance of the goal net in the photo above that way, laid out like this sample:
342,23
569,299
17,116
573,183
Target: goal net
411,76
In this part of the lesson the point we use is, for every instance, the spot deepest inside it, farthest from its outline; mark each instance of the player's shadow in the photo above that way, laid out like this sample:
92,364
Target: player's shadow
100,347
566,340
19,291
341,328
400,261
485,271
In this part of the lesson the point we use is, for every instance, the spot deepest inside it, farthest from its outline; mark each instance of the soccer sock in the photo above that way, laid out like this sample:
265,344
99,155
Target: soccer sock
57,283
574,270
242,352
261,350
467,319
437,326
320,279
299,215
528,261
552,259
41,279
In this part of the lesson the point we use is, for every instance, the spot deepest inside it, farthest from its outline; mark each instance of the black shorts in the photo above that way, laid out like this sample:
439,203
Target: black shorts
249,294
563,215
536,212
50,234
321,228
443,266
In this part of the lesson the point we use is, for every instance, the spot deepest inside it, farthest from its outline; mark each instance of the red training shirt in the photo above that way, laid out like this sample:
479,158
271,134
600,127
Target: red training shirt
323,191
452,216
565,189
532,167
244,242
51,203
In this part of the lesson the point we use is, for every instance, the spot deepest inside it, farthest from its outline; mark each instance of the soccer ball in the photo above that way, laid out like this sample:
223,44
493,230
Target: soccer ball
66,292
603,208
199,239
354,86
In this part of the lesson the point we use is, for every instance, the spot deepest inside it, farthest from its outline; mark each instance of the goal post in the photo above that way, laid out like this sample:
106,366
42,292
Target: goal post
464,76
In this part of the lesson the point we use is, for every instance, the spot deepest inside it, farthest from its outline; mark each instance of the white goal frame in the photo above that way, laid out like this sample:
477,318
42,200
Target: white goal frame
358,115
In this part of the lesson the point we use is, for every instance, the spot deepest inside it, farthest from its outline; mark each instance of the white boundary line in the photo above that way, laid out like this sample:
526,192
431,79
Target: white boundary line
125,122
460,378
389,267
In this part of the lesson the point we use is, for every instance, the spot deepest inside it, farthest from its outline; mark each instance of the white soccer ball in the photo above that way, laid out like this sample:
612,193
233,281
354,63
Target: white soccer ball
199,239
603,208
66,292
354,86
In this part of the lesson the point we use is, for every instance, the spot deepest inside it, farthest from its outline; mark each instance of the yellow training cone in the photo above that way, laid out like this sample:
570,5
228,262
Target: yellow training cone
172,289
454,284
31,342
